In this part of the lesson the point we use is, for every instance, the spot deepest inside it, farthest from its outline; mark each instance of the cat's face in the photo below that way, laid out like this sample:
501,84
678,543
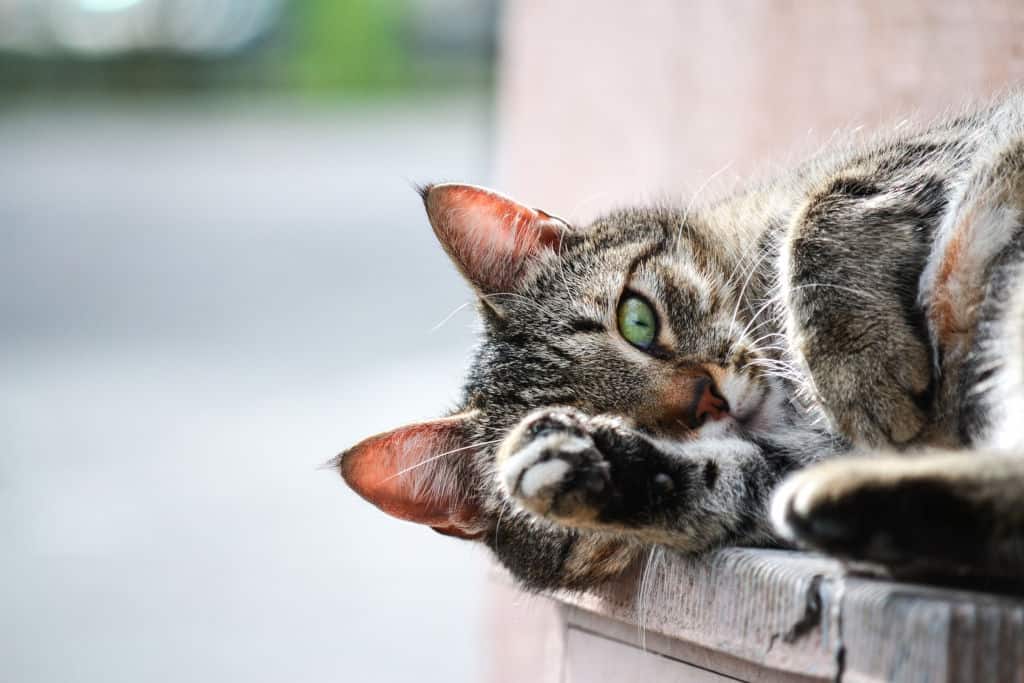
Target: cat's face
636,316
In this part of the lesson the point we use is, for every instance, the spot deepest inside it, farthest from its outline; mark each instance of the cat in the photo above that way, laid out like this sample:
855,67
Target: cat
848,337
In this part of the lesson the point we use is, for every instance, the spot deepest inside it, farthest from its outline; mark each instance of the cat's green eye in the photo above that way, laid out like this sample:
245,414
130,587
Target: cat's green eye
637,322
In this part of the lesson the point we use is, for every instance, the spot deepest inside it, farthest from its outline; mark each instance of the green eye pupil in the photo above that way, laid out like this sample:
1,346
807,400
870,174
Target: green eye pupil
637,322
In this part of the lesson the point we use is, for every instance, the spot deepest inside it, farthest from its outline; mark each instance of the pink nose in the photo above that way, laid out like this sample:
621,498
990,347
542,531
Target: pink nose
710,404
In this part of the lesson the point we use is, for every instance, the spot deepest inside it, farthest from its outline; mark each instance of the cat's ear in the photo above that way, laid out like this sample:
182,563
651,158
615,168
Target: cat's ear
418,473
491,238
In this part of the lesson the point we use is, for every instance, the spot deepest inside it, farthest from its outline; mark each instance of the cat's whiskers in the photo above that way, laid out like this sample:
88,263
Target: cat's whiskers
431,459
757,314
448,317
781,369
734,349
746,283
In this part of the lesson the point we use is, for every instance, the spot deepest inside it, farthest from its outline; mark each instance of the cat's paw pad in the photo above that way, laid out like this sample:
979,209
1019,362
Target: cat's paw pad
550,465
877,510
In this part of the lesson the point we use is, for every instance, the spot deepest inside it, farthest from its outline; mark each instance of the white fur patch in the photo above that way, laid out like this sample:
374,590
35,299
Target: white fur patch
786,494
542,476
533,476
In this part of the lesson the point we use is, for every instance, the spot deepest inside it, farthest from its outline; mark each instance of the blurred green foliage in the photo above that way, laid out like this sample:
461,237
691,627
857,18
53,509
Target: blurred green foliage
322,48
355,44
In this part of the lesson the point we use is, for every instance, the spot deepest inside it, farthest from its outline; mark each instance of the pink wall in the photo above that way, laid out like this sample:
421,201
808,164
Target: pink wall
604,102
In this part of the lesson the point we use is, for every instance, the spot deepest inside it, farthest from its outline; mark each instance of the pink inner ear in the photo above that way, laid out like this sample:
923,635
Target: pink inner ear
410,473
489,236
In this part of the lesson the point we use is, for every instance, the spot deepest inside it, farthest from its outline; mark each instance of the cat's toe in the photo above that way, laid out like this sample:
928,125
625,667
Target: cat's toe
803,511
551,467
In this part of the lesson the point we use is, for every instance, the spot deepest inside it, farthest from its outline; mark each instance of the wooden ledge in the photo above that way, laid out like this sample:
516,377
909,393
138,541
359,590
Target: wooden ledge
771,615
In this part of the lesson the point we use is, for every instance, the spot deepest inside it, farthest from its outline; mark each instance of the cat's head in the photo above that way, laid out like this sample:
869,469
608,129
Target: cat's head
640,315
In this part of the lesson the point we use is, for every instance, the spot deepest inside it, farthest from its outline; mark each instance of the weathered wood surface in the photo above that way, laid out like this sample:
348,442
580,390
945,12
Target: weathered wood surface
770,615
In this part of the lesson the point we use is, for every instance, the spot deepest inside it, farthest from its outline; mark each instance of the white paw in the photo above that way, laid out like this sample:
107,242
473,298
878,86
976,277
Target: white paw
792,496
550,466
537,473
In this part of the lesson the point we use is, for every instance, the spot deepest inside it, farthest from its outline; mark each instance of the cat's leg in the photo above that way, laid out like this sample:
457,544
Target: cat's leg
544,556
598,473
945,512
849,267
935,513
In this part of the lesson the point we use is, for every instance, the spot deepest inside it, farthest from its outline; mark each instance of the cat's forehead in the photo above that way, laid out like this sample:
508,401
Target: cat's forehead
647,248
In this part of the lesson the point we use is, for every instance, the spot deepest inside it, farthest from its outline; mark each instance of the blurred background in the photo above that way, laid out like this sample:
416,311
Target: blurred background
214,276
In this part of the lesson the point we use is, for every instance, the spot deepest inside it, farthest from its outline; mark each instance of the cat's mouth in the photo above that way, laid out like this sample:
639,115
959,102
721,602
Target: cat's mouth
720,402
758,409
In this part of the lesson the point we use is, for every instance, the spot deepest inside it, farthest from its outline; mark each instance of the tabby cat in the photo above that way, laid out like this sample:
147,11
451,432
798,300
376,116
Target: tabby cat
653,377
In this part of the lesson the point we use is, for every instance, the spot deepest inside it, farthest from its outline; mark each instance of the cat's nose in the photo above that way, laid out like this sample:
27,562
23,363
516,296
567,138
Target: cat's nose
709,403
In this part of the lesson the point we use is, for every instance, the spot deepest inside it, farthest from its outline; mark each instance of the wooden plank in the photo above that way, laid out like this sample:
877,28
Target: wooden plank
910,632
770,615
591,658
757,615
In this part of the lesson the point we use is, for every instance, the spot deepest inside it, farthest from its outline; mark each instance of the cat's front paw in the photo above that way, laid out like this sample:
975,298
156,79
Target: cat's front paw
550,465
893,511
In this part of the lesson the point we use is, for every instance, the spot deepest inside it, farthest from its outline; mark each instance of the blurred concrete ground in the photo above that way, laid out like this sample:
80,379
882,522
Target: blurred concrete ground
201,304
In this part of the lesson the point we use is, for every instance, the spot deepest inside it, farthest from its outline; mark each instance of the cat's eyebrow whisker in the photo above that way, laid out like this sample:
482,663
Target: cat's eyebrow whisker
696,196
438,457
565,281
586,200
525,299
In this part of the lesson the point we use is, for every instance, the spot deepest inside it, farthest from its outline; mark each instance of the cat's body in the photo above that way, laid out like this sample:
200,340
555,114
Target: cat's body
653,377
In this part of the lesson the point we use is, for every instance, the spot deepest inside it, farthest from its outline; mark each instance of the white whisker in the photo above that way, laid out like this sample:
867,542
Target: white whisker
438,457
448,317
696,196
